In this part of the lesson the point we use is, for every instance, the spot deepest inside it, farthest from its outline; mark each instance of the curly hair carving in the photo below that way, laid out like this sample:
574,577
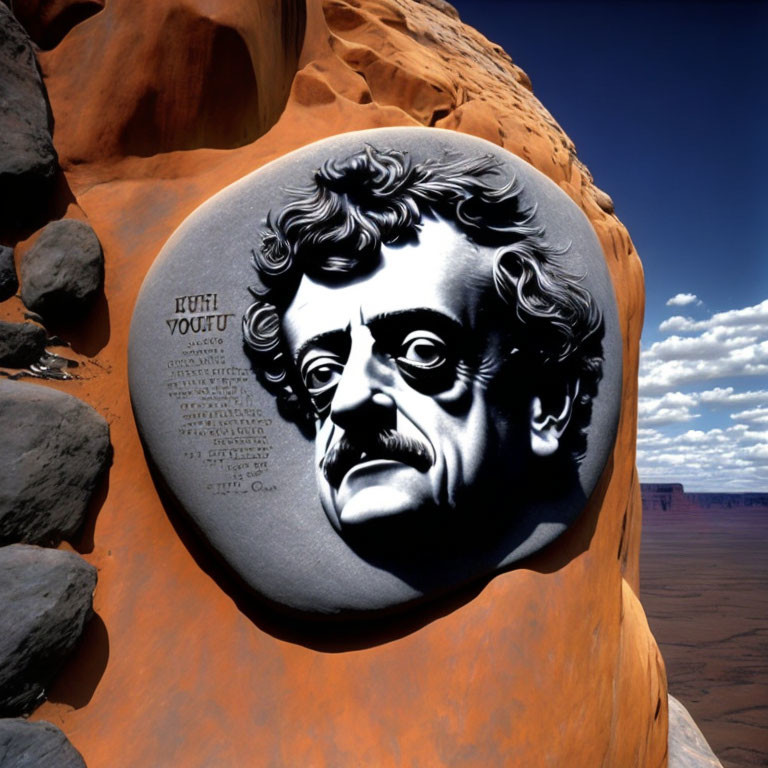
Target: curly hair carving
334,228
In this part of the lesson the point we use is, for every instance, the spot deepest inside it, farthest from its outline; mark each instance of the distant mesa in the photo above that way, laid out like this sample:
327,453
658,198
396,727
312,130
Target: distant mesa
663,497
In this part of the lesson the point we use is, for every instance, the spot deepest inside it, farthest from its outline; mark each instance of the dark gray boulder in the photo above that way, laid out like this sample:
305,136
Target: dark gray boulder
46,597
21,344
53,451
9,283
63,271
35,745
28,160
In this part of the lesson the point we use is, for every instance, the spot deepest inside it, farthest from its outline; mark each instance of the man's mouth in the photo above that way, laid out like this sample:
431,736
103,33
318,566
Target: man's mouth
352,450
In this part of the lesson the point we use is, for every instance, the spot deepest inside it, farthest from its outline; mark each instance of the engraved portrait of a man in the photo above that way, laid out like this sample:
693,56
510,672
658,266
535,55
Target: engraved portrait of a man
415,319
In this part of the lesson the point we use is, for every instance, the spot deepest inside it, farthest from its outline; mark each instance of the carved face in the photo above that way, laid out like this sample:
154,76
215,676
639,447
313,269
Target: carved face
403,367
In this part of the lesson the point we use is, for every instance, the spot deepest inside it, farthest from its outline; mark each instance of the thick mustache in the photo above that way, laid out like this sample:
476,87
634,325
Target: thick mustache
384,444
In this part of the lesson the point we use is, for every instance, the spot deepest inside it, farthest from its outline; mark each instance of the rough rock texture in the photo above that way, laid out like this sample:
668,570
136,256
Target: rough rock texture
180,92
48,21
9,283
63,271
550,664
53,452
21,344
27,156
687,746
46,597
35,745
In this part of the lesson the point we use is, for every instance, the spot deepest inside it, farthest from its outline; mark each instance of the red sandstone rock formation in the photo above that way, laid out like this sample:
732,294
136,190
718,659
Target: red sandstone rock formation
157,106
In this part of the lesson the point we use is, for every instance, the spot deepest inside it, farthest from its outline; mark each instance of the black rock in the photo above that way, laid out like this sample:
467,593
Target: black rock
63,271
46,597
35,745
21,344
54,448
9,283
28,160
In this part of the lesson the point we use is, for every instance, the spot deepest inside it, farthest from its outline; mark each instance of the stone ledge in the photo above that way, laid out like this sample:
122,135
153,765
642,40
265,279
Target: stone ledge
687,746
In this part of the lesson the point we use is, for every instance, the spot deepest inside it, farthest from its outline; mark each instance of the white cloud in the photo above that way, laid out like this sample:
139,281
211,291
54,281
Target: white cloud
735,458
698,436
727,396
658,376
752,415
678,407
683,300
755,318
733,343
671,408
707,345
758,453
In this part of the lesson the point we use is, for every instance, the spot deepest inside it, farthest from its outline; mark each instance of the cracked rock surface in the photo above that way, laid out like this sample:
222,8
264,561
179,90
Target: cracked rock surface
63,271
28,160
53,452
21,344
35,745
46,597
9,283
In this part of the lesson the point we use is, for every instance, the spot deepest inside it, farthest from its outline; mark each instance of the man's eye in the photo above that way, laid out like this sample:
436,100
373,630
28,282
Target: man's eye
422,350
321,374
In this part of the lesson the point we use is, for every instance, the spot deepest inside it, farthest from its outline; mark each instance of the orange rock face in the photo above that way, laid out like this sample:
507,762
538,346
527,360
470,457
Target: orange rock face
157,106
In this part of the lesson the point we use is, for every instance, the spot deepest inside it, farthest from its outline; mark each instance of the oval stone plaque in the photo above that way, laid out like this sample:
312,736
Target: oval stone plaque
378,368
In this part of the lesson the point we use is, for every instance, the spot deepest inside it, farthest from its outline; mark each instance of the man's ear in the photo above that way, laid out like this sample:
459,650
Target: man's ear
549,419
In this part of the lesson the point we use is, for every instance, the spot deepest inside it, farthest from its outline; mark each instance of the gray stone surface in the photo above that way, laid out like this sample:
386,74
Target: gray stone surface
21,344
63,271
9,283
687,746
247,477
46,597
53,451
35,745
27,158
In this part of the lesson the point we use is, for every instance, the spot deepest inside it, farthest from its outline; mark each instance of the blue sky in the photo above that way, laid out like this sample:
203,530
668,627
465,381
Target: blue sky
667,103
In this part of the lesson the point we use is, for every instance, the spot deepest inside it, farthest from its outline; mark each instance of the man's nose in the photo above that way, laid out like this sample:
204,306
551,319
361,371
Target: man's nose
360,398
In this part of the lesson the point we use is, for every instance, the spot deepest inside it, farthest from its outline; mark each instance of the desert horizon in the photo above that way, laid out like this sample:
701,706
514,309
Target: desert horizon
704,587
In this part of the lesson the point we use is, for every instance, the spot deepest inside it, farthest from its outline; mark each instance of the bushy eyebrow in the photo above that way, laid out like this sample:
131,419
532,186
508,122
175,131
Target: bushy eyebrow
418,317
327,340
429,318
